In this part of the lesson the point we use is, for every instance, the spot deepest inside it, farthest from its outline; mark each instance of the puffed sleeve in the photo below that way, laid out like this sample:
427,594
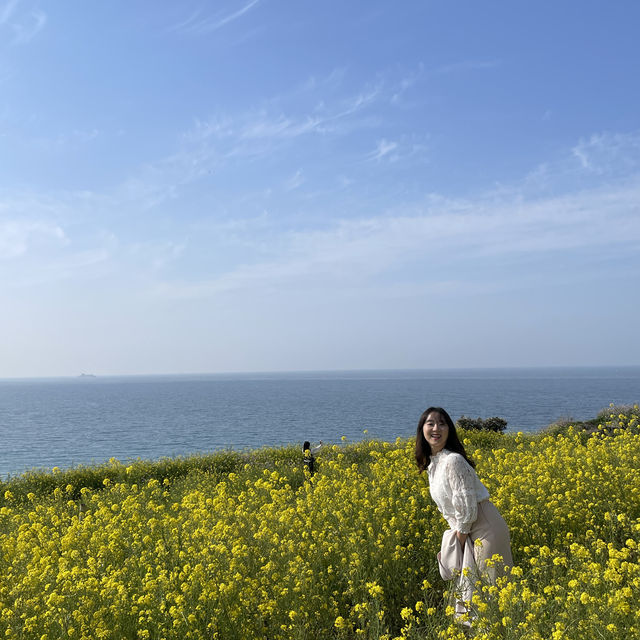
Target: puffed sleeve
461,477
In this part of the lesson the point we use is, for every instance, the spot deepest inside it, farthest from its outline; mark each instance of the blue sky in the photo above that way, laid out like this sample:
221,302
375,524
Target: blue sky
267,185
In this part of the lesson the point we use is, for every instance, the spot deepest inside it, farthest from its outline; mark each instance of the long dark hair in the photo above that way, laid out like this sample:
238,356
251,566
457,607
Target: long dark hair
423,448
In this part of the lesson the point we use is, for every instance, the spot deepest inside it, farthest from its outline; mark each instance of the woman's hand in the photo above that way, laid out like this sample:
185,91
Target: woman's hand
462,537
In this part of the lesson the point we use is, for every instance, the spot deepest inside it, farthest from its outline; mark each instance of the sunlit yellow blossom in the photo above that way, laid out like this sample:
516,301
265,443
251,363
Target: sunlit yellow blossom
263,552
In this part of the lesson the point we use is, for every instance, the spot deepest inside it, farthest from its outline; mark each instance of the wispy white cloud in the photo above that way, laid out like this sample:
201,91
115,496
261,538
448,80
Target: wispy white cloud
602,152
25,24
329,81
405,84
582,156
510,223
158,255
383,148
294,181
223,139
85,263
160,181
18,236
81,135
29,28
405,148
239,132
440,233
279,126
517,221
46,238
187,22
7,9
265,126
199,24
63,141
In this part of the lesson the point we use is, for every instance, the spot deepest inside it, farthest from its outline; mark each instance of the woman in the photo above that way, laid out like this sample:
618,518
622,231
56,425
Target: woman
308,455
457,491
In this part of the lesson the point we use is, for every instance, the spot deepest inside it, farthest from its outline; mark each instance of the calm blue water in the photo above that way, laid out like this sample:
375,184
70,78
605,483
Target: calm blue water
64,422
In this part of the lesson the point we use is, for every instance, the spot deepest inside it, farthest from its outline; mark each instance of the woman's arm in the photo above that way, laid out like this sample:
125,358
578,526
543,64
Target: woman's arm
463,495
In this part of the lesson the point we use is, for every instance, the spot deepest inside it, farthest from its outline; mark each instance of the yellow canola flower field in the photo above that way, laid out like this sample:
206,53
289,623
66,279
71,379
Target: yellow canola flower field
348,553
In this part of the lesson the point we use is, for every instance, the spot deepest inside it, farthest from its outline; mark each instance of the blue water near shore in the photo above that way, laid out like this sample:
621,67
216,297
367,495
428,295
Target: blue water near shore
65,422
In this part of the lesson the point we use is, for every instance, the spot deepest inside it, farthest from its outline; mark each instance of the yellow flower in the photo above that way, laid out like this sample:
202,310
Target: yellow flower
406,613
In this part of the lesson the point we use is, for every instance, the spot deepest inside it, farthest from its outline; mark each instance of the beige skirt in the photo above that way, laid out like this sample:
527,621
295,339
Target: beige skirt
490,535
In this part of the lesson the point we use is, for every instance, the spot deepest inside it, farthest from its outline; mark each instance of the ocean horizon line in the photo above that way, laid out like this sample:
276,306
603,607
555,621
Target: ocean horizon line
90,376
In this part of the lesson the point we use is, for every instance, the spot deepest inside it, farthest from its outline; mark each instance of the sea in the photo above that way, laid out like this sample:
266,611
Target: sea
65,422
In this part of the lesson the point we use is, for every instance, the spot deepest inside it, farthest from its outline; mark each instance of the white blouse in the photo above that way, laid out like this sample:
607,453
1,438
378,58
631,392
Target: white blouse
456,489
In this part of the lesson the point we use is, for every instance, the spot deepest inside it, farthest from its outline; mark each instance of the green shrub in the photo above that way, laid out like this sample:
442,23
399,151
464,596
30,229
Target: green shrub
559,427
614,411
608,421
495,424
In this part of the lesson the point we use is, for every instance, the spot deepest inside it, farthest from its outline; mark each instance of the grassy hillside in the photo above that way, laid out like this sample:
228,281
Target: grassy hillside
243,545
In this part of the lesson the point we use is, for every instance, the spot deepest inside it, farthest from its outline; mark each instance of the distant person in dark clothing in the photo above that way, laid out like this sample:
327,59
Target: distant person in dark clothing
308,457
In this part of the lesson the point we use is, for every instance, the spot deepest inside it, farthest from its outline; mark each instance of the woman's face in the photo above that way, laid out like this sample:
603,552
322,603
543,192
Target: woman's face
435,431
